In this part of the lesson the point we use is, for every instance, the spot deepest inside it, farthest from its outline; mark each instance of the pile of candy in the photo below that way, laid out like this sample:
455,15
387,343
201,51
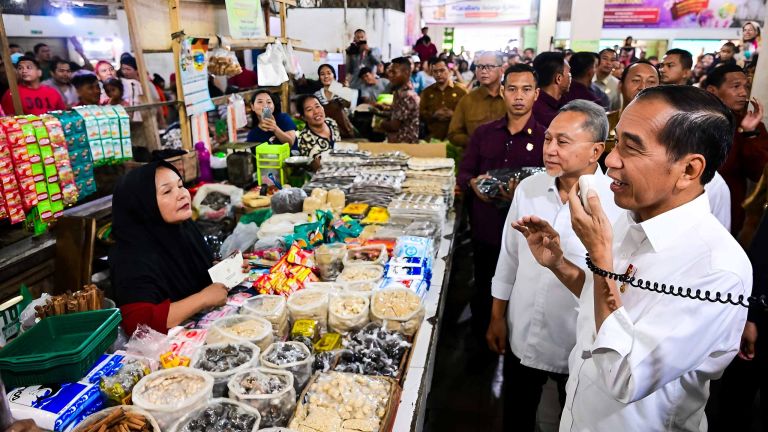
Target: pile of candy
373,351
270,391
223,358
222,416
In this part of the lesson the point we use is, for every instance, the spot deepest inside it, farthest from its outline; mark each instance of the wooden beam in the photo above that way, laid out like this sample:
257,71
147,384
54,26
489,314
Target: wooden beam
285,91
186,129
149,122
10,71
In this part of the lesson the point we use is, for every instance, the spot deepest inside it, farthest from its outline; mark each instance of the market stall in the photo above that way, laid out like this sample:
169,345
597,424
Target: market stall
335,323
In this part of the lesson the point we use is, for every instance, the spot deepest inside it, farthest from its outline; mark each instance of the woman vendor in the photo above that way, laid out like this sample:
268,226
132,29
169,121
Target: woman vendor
334,105
321,132
159,264
270,123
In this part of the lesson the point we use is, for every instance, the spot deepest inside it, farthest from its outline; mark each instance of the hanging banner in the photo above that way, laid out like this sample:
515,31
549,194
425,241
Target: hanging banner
193,64
682,13
246,19
476,11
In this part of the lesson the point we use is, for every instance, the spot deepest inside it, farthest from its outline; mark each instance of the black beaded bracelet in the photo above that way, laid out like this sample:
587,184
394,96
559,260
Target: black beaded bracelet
605,273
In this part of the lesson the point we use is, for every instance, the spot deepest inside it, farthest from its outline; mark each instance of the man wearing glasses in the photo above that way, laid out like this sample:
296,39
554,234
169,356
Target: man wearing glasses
481,105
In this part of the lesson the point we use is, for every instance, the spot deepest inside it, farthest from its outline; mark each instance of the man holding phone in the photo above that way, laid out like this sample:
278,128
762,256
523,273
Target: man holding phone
643,359
360,55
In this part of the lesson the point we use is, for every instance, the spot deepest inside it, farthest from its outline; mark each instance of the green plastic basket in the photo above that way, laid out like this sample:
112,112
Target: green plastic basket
59,349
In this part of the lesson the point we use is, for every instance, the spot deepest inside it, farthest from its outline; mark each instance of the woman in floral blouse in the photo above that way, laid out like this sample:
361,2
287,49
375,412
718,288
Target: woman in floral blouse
321,133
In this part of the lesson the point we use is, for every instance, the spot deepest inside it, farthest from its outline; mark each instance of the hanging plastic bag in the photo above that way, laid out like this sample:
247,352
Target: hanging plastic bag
293,62
223,62
271,69
279,50
242,238
236,116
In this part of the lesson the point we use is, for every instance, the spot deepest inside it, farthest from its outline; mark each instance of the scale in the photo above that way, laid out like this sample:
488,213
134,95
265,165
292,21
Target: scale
241,164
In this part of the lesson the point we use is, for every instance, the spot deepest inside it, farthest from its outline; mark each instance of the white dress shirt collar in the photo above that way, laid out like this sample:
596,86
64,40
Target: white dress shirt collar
664,230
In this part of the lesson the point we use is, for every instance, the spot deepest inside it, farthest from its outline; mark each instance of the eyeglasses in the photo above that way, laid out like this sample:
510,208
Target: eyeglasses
483,67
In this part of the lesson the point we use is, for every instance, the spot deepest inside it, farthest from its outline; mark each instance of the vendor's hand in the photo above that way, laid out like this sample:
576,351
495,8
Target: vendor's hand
752,119
542,239
496,336
214,295
506,194
268,124
24,426
748,339
473,183
594,230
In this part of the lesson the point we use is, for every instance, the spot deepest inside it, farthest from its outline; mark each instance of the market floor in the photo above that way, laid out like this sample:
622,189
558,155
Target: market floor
465,397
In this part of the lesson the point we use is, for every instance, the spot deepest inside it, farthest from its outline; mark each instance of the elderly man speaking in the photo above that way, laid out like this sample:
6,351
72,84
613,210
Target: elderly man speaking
643,360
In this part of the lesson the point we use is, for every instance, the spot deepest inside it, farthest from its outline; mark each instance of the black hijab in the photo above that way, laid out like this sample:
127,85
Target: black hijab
153,261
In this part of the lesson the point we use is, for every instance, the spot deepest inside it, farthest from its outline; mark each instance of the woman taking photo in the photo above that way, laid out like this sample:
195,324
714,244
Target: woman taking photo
321,132
270,124
159,264
335,107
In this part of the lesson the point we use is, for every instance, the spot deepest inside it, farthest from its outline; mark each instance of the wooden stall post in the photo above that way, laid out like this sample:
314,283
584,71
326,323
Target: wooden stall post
10,71
176,34
149,122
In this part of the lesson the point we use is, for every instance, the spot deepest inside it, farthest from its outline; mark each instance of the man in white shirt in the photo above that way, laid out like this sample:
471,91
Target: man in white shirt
605,80
530,306
61,80
643,360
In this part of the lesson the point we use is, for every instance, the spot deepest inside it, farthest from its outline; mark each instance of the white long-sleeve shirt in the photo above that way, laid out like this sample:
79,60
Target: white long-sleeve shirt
719,200
649,366
541,313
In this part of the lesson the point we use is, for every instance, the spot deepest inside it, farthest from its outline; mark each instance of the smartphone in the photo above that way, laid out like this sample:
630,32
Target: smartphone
266,113
450,65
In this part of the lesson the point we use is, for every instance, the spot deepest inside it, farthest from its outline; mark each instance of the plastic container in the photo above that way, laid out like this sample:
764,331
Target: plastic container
221,378
239,328
348,312
95,417
270,158
330,260
204,160
183,424
377,254
310,305
167,413
275,408
273,309
59,349
301,369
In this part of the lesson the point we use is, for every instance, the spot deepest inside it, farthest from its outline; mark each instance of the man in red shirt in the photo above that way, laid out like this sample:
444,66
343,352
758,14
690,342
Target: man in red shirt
425,49
36,98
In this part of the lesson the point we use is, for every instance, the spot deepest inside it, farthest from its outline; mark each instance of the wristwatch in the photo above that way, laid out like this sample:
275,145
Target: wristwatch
749,134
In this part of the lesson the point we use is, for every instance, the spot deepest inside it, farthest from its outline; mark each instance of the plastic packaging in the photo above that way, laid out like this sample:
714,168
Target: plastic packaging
55,407
311,205
361,278
373,351
270,391
341,401
238,328
242,238
87,424
169,394
330,260
397,309
280,225
220,415
375,254
310,305
288,201
273,309
321,195
336,199
348,312
206,211
224,360
290,356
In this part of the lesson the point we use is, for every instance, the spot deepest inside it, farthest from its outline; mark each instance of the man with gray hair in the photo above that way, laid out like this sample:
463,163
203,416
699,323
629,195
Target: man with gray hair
533,319
481,105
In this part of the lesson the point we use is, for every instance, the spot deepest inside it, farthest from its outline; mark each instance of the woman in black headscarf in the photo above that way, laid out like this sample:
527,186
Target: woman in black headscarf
159,264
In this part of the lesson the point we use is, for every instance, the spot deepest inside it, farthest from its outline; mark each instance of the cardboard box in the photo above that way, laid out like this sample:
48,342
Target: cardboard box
416,150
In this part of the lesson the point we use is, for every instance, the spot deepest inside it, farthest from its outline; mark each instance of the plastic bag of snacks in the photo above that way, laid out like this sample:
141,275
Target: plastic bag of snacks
273,309
310,305
238,328
133,418
330,260
340,401
291,356
373,350
397,309
375,254
169,393
270,391
220,415
329,287
361,278
224,360
348,312
223,62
